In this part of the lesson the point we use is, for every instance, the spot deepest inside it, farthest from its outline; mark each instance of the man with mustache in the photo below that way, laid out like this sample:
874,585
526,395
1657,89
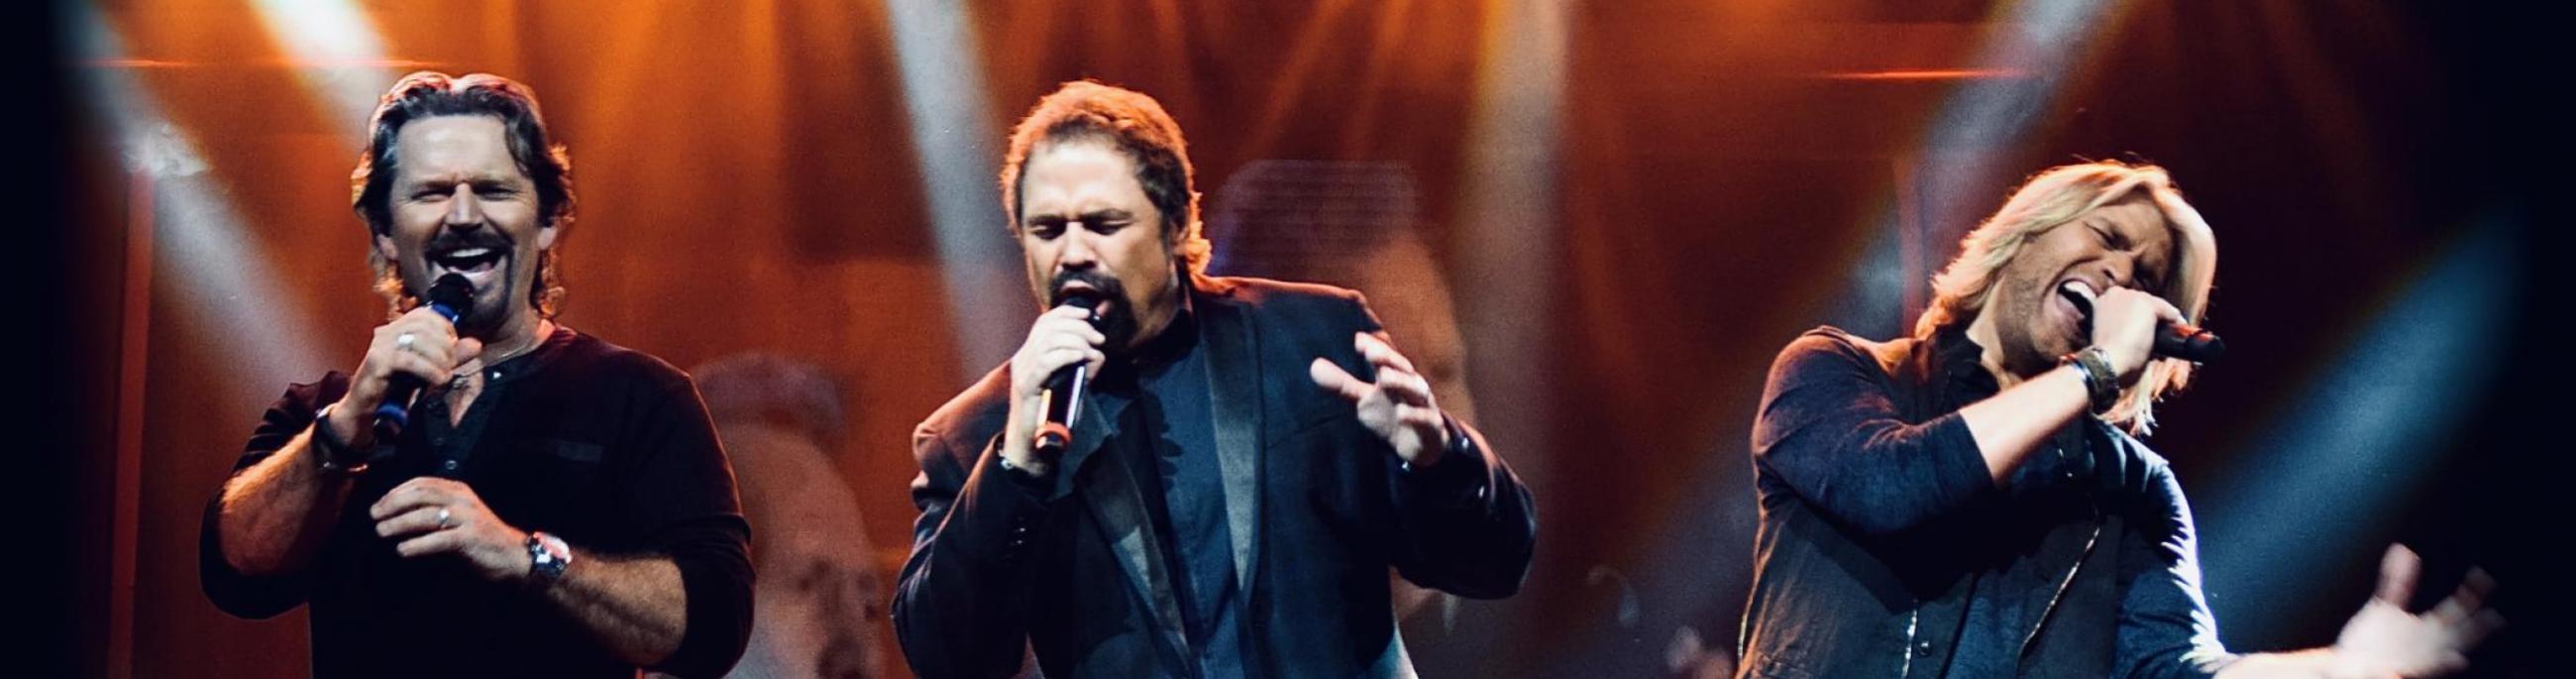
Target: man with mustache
555,506
1970,501
1253,456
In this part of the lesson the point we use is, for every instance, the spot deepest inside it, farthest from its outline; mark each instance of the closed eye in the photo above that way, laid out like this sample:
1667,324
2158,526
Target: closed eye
1044,228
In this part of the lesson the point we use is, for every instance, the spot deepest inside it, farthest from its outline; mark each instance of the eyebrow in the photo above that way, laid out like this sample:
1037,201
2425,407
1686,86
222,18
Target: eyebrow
478,180
1095,216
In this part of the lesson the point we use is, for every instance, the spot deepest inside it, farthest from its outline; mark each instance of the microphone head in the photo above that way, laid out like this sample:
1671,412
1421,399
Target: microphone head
452,296
1086,299
2207,347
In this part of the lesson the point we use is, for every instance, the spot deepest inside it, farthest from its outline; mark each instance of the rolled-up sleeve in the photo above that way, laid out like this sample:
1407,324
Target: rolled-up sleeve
2166,629
235,592
1829,431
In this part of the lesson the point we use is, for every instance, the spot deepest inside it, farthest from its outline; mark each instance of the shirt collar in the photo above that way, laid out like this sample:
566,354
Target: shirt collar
528,363
1961,362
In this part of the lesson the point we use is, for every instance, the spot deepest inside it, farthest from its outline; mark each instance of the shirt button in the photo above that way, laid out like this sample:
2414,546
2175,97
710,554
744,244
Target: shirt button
1922,649
447,465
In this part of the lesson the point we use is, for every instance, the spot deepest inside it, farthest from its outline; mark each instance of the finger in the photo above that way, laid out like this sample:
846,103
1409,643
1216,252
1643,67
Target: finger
1076,326
1052,359
410,494
1405,387
1067,357
418,520
466,350
2471,596
433,542
2397,573
428,369
2165,310
440,355
1334,379
2478,627
1078,338
1421,418
1380,353
427,322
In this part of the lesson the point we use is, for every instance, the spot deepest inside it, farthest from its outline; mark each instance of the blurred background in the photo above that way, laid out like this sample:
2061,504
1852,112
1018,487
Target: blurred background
1597,220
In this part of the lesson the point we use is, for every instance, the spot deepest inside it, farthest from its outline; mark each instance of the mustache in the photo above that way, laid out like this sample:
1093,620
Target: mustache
1106,286
455,239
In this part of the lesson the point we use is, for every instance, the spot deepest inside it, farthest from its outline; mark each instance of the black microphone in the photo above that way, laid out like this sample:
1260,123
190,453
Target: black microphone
2188,342
451,298
1064,389
2175,340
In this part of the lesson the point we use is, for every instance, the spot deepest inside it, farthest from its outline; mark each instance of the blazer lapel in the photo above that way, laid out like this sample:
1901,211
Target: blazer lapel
1118,508
1234,391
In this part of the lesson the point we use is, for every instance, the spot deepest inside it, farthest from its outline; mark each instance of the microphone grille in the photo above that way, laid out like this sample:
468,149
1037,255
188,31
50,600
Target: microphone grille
454,292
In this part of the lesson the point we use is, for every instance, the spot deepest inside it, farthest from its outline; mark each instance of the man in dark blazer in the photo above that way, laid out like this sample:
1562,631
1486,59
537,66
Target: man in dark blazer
1250,460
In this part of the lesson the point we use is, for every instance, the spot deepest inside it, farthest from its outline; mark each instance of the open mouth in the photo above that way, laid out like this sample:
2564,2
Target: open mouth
467,260
1101,299
2077,298
479,264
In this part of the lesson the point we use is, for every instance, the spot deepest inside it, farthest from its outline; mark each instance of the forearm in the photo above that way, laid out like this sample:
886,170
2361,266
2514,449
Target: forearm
2011,425
276,514
2314,663
635,606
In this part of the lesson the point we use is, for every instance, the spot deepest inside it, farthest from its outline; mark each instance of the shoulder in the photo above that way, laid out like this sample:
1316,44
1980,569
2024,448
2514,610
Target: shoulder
968,418
587,357
1280,297
1829,345
2146,475
1295,322
307,397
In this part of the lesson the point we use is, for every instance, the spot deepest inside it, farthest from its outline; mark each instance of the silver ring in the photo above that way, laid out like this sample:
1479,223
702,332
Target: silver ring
403,341
442,518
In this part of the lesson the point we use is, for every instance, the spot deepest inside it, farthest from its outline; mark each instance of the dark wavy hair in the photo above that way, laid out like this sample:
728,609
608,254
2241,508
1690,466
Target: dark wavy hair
1134,124
428,94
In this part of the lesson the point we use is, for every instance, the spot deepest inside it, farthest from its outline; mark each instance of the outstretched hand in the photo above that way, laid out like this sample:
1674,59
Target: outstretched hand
2384,640
1398,406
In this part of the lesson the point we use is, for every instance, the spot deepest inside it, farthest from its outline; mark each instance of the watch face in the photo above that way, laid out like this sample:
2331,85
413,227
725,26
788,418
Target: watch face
548,556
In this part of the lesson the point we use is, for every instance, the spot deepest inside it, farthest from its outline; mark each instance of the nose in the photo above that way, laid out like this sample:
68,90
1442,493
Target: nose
464,209
2118,268
1078,252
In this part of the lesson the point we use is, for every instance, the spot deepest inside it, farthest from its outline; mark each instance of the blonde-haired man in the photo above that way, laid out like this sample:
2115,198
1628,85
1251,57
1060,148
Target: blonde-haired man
1942,505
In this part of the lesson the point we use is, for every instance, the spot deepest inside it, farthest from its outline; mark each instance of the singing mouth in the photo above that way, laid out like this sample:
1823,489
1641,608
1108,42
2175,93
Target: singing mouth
467,260
2078,297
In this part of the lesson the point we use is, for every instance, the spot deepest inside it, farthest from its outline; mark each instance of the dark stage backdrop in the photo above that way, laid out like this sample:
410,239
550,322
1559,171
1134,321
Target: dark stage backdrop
1603,217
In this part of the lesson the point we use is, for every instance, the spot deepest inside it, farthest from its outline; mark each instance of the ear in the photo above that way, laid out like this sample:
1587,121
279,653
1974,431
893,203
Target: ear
546,237
385,249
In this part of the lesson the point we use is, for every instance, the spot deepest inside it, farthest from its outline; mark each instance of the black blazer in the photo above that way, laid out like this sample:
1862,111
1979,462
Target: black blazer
1317,505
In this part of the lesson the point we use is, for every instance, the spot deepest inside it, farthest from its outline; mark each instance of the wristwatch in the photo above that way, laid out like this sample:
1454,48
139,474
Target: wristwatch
548,557
334,450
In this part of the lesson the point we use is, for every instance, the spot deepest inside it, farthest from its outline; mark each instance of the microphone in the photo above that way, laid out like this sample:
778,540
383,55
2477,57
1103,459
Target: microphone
2174,340
2188,342
451,297
1064,389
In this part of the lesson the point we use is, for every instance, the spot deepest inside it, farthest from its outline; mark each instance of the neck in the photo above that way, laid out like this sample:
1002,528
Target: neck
1990,352
1154,322
515,337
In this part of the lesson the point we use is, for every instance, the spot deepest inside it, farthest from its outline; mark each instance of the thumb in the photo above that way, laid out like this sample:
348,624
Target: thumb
468,349
2397,573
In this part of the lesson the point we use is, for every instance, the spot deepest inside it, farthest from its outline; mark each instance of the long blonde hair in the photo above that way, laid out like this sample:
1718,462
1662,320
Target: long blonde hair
2053,198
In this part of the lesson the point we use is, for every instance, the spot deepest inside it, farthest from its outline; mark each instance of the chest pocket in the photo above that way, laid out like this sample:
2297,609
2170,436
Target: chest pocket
543,483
